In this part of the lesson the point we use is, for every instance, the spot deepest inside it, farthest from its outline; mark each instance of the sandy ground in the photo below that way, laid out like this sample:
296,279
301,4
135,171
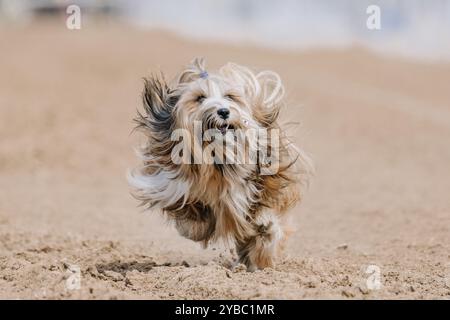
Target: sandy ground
378,129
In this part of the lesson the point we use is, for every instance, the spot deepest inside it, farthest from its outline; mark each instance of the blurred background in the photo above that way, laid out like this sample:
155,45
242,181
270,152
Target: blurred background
412,28
373,108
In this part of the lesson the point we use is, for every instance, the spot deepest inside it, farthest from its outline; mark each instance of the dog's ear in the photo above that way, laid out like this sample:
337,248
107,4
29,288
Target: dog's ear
270,99
158,101
193,71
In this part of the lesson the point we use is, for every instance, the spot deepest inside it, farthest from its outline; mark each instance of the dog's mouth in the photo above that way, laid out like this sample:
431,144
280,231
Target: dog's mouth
223,128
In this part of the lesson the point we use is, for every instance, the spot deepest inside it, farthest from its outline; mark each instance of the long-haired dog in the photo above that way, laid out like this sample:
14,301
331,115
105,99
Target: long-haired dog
190,177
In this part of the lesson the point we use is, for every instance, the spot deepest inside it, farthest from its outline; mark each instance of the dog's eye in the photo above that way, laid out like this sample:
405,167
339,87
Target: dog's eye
200,98
230,97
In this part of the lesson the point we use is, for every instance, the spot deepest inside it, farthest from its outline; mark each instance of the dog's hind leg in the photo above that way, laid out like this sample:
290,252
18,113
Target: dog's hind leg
260,250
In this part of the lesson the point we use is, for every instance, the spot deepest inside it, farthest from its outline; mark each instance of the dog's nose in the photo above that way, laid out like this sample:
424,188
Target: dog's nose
224,113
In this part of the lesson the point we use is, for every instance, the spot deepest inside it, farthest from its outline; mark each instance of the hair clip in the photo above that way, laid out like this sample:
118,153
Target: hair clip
204,74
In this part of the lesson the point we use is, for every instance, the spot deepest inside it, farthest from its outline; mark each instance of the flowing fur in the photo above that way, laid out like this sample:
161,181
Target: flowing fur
211,201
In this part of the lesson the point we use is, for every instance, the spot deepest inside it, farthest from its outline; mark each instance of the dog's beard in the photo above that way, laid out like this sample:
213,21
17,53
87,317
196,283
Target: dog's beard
220,141
227,135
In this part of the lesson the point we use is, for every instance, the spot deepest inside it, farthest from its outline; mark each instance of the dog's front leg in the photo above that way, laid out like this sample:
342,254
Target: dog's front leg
260,250
195,222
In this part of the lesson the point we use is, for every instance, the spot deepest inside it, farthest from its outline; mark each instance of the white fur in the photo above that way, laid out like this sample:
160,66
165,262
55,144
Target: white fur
163,187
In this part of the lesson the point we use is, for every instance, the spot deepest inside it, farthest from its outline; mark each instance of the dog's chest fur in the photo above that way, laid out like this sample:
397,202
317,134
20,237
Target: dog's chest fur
230,194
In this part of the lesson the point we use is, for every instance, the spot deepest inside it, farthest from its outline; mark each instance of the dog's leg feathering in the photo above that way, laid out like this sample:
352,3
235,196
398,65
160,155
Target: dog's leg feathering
259,251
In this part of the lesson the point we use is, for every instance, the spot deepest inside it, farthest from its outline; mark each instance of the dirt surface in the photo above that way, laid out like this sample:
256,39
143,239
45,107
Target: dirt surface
377,127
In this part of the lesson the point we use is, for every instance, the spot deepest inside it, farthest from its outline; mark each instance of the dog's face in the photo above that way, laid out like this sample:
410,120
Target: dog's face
233,108
215,102
229,113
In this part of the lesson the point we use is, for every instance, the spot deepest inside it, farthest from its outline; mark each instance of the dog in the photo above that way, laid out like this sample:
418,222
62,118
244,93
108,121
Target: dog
208,199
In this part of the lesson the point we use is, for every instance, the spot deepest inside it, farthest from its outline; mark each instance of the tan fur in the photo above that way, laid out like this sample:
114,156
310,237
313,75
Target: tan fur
236,202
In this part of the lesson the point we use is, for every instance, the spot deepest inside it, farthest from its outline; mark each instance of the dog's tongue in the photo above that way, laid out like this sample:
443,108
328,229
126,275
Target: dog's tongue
223,129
